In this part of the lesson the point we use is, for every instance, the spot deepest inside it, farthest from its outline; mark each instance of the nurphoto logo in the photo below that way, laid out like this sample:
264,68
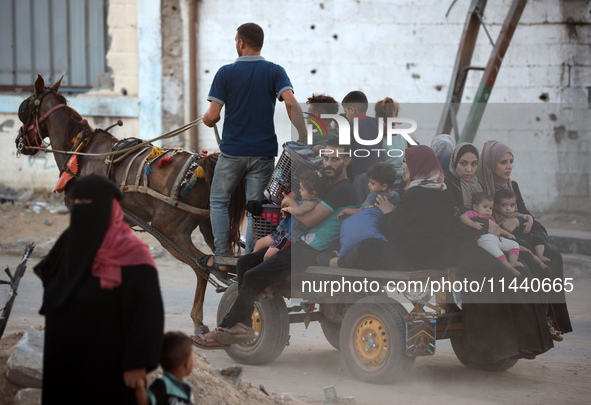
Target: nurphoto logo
345,133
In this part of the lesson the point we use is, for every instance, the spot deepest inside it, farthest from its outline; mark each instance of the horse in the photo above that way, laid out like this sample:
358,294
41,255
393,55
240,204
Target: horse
46,114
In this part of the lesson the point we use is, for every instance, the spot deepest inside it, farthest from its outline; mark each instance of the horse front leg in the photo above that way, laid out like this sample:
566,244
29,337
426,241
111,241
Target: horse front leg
197,310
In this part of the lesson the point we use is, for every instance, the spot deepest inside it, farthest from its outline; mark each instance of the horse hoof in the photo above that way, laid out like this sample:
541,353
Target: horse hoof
201,329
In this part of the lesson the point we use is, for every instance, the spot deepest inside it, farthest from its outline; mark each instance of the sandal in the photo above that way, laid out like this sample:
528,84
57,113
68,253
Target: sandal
323,259
202,341
527,354
555,334
225,336
213,269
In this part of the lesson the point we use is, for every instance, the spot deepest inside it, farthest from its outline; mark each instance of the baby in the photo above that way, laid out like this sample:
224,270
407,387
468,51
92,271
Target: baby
506,208
482,206
312,188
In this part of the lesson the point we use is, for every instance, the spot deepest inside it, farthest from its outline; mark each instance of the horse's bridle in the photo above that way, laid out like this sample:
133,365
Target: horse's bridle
27,115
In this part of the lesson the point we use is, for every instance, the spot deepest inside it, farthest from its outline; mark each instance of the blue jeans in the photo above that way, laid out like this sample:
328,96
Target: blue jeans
229,171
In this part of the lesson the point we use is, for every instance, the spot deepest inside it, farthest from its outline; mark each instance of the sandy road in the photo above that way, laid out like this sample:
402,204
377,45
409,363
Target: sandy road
561,376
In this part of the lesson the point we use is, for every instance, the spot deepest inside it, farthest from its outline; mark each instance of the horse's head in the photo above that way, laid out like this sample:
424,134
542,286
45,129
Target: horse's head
33,112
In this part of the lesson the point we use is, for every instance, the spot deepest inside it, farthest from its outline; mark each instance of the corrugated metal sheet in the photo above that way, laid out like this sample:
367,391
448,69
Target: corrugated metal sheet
52,38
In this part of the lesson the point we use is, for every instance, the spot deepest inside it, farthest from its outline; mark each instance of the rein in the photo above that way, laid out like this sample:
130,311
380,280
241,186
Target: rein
167,135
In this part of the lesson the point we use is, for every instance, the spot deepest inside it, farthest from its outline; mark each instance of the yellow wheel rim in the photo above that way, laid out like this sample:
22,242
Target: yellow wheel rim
371,343
257,326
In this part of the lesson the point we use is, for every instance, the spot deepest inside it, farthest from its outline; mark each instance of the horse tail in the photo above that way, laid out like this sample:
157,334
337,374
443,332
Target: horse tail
236,211
237,207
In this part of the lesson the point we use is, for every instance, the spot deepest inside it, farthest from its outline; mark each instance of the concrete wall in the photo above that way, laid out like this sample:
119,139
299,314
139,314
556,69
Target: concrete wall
384,47
407,51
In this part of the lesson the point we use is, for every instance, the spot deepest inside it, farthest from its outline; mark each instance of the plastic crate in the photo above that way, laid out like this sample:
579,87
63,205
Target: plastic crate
267,222
288,169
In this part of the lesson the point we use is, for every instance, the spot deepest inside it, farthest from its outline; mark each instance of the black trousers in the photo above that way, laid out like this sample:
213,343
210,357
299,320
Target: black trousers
254,275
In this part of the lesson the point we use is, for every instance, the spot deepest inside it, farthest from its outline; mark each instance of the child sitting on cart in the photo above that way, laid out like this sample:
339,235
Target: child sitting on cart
506,208
482,207
364,222
312,188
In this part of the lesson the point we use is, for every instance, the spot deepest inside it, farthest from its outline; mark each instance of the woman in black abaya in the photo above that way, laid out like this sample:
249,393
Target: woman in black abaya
495,174
496,325
102,304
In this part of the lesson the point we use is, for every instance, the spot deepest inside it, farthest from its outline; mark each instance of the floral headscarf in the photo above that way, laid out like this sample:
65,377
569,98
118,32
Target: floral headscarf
424,168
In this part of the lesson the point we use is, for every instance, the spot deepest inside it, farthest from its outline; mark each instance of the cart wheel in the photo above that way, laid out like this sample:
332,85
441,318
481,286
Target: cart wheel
332,331
372,340
458,345
270,322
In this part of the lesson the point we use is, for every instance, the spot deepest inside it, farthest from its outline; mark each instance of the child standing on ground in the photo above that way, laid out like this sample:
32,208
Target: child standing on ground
177,362
482,207
312,188
506,208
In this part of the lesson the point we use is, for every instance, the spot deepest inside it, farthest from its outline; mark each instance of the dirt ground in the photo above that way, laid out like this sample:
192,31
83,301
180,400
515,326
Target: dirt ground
309,363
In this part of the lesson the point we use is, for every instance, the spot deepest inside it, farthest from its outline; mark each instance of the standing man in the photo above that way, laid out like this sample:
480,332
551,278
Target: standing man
248,88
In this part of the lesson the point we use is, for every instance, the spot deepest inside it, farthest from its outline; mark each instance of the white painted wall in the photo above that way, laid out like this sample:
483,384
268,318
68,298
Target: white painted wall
406,49
399,48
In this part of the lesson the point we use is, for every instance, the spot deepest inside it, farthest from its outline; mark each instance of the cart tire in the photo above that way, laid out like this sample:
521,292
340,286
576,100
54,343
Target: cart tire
501,365
270,322
332,332
379,321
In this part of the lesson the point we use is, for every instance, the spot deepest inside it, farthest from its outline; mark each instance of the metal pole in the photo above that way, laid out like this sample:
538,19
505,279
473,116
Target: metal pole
492,70
463,59
193,132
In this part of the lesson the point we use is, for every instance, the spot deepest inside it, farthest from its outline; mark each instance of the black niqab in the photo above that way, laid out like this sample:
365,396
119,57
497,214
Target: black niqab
69,261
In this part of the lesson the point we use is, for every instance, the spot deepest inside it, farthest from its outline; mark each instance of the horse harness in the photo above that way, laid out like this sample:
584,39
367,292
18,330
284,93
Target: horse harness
28,115
69,170
137,182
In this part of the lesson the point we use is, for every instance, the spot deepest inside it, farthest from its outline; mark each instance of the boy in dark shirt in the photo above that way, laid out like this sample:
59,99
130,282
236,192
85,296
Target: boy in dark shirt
177,362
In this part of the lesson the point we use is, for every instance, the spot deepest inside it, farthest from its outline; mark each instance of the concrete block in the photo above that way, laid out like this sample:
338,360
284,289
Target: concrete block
122,16
547,76
541,11
577,10
28,396
574,95
575,185
580,76
580,204
124,40
25,364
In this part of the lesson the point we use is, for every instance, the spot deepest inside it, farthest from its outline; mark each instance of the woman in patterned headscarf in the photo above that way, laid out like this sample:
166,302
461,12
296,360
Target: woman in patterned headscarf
419,228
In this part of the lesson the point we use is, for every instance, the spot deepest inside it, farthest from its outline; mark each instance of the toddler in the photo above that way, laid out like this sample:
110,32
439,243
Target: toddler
506,208
482,206
177,362
312,188
364,222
